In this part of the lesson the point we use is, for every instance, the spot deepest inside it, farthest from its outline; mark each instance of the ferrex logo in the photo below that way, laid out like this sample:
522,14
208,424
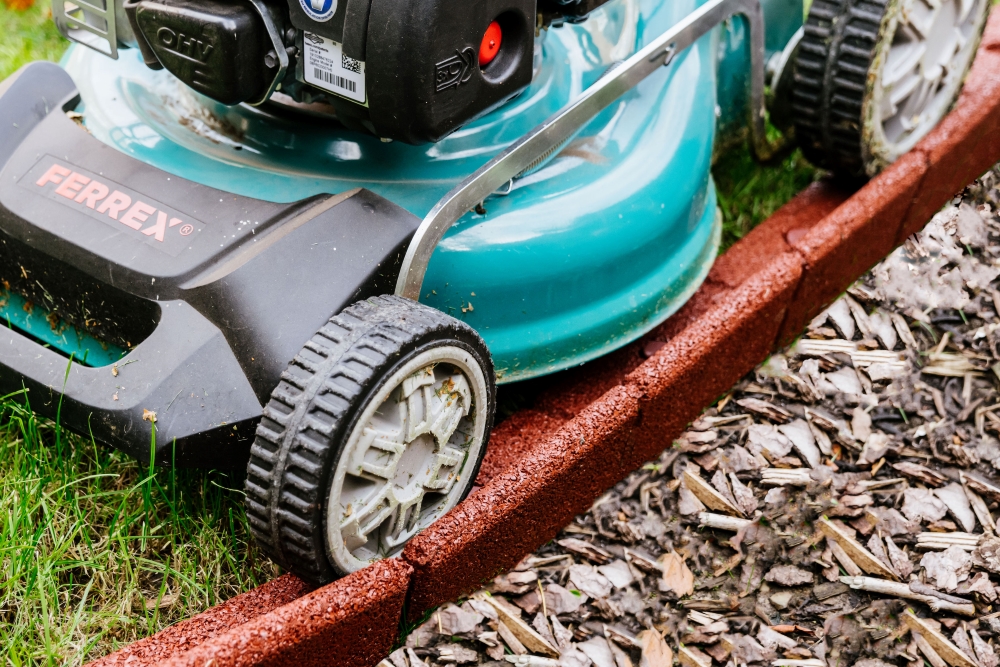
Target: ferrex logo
114,204
184,45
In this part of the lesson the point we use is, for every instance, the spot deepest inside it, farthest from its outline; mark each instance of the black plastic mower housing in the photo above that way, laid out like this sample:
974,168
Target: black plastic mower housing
210,293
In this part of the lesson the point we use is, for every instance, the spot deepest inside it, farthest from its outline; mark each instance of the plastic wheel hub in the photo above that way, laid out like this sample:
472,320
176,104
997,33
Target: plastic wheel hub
931,50
401,466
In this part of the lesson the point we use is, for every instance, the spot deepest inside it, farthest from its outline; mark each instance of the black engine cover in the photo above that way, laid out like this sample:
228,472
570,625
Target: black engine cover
415,61
217,48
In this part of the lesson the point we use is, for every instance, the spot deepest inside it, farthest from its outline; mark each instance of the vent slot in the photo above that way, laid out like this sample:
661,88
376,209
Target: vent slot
89,23
66,309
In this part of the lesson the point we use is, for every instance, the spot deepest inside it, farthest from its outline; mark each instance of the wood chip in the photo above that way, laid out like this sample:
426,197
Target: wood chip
941,541
722,522
703,617
620,638
521,631
510,639
922,473
893,361
981,510
865,560
643,563
589,551
946,364
785,477
901,590
941,645
928,651
903,329
708,495
860,317
690,658
845,561
980,485
765,409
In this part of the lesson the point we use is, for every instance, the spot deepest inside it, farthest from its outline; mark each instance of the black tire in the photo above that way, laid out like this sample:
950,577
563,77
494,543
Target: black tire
831,69
314,409
837,84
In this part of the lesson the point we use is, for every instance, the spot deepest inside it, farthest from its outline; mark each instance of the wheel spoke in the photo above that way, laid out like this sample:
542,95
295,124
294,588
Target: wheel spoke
377,454
920,16
448,458
403,522
456,399
898,94
904,58
418,392
357,525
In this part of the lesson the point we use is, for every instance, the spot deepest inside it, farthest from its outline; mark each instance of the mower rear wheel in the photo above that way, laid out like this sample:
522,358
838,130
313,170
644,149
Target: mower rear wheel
376,430
874,77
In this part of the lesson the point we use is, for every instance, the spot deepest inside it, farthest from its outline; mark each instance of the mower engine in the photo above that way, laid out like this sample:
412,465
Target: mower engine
408,70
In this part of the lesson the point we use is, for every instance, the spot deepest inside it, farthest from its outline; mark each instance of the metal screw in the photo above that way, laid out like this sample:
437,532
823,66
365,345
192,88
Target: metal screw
271,59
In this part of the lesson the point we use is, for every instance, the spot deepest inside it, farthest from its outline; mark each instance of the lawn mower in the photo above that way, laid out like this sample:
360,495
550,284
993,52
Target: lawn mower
312,236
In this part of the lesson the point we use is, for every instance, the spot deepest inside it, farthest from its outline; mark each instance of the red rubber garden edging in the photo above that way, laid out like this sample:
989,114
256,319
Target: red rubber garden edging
598,423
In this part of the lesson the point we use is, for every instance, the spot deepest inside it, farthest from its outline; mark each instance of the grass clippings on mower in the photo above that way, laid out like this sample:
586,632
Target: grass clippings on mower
97,551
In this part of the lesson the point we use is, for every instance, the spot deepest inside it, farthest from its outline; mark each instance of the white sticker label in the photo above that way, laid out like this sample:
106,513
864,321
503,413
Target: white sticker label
325,66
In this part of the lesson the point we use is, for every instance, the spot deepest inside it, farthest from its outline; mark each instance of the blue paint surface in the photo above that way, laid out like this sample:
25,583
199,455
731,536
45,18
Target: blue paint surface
584,255
35,321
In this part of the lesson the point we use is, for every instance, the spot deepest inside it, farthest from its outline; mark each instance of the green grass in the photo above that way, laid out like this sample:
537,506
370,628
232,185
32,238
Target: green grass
749,192
97,551
27,35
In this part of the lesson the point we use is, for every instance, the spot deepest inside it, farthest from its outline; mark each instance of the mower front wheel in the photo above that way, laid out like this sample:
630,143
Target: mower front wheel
377,428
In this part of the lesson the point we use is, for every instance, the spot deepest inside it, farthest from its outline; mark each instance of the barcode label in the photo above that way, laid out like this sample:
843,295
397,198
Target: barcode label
328,68
334,80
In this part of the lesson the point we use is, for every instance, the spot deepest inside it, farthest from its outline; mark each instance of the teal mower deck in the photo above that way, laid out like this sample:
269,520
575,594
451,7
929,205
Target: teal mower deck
312,236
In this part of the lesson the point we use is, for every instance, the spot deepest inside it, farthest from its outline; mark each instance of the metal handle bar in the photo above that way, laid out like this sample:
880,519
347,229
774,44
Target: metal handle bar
563,124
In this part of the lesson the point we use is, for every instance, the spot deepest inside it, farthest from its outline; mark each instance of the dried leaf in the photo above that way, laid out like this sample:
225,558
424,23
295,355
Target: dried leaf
947,568
901,563
922,505
957,502
587,579
597,649
676,575
455,621
743,495
802,439
655,652
984,652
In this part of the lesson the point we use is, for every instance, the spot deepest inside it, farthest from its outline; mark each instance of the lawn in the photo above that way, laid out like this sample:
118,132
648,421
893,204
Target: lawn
97,551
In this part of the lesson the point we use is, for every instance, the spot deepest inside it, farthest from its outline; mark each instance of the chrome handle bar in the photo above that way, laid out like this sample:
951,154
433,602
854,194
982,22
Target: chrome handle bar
563,124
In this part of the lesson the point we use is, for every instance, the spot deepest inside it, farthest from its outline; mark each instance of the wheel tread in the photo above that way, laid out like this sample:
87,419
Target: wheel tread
310,410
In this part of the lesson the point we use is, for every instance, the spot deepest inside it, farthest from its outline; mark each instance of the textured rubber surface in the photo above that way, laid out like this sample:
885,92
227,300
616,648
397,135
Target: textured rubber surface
831,81
312,412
